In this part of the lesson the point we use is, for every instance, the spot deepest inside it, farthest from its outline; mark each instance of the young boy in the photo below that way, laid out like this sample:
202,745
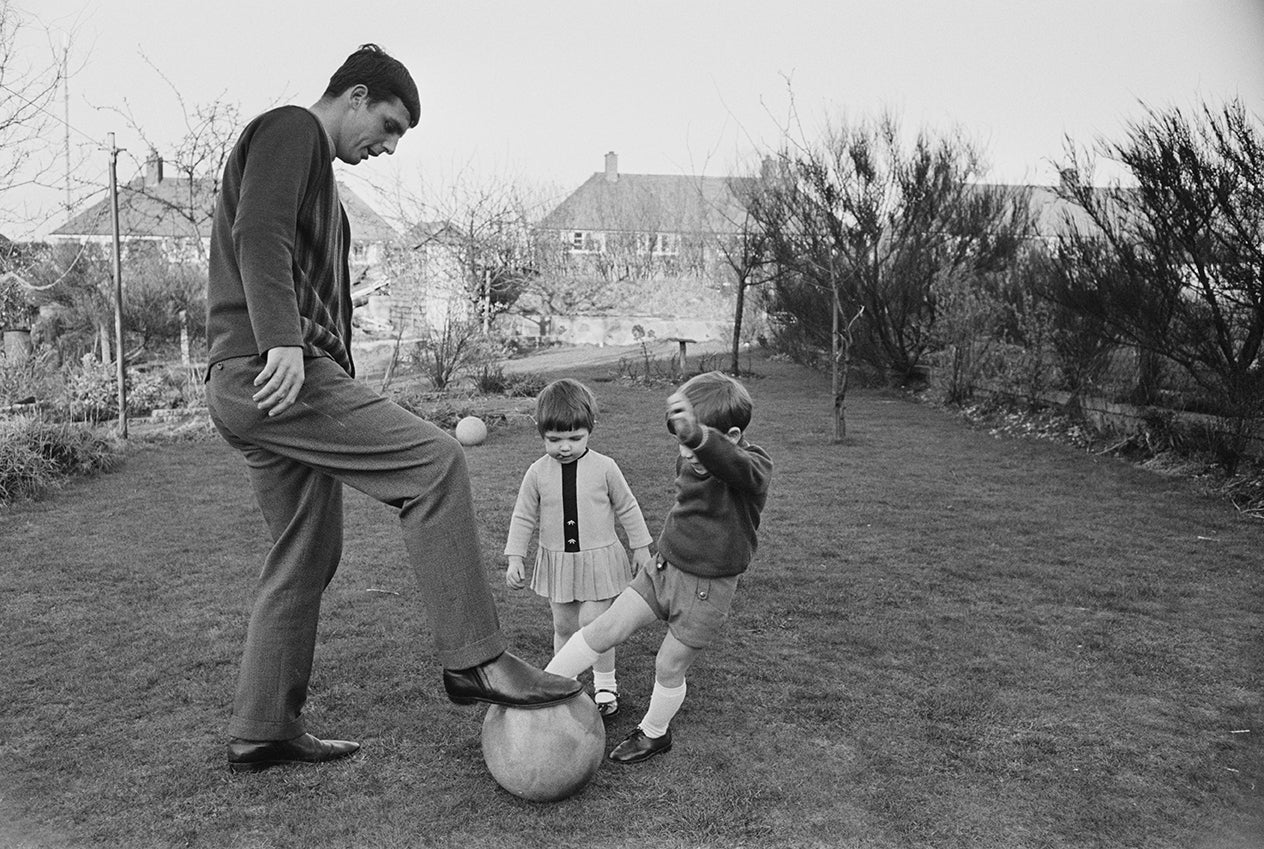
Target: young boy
707,541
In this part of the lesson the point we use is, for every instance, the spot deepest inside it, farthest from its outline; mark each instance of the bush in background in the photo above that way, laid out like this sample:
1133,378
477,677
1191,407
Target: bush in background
37,455
492,380
86,390
29,380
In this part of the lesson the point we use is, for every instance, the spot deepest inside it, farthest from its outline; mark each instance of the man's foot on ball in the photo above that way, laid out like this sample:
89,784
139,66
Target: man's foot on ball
510,681
637,747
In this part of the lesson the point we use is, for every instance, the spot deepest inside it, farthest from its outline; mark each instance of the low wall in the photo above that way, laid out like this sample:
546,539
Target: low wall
1126,419
617,329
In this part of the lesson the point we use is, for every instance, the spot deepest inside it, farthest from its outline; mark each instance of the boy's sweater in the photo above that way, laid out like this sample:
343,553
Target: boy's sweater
711,529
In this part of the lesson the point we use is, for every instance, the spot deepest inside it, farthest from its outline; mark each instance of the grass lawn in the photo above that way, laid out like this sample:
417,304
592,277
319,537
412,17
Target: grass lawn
946,640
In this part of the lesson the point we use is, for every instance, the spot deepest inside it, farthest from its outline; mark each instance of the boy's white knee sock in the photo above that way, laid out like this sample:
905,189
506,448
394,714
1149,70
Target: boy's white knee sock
664,704
574,657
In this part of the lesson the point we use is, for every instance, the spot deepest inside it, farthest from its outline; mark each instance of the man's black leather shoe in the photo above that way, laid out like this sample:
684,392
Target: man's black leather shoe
637,747
254,755
510,681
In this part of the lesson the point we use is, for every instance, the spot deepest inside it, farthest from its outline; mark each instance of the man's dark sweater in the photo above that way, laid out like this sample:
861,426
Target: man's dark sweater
279,244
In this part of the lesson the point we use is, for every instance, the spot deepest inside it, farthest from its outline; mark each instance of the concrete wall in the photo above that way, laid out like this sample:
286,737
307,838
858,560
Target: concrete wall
1110,417
617,329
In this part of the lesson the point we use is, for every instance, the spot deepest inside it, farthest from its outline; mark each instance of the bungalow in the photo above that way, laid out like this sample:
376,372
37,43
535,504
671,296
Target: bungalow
639,250
177,211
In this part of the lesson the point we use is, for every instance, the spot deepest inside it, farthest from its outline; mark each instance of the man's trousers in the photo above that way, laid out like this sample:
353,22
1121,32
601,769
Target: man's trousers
340,431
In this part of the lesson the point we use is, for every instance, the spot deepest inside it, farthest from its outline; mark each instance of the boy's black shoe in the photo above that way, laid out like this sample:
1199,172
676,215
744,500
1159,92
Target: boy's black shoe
637,747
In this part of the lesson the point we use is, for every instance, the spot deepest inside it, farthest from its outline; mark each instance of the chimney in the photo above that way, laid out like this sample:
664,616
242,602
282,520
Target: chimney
153,169
612,167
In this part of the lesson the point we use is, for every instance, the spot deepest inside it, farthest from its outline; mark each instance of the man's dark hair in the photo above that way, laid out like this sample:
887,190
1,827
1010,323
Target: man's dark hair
382,74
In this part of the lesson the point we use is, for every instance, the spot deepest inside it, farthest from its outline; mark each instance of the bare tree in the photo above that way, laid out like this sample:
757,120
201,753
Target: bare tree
199,155
1175,265
490,223
746,248
482,229
463,261
863,221
29,82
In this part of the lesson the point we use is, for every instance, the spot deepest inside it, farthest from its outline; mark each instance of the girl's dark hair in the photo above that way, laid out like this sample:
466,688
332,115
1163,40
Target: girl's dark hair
383,75
565,405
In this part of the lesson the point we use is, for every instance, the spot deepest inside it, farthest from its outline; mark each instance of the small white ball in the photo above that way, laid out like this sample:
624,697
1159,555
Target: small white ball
471,430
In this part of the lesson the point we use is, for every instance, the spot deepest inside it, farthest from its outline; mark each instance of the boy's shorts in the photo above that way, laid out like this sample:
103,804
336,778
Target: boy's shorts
694,608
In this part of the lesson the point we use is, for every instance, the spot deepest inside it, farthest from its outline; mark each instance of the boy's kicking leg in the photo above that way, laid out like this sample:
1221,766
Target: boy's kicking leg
653,736
626,616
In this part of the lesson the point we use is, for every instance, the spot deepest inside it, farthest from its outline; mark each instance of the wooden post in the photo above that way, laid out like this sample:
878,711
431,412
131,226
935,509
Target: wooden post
120,370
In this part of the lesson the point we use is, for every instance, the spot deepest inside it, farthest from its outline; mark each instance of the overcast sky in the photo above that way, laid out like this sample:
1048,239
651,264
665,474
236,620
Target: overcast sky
537,91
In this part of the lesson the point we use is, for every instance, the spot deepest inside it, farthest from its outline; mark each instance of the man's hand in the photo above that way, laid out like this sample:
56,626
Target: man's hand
681,417
281,379
515,573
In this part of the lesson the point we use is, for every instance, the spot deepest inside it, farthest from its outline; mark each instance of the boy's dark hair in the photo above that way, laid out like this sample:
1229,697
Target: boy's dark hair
718,400
382,74
565,405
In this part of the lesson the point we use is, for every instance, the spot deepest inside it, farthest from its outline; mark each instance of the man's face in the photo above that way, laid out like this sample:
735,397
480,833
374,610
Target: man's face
371,129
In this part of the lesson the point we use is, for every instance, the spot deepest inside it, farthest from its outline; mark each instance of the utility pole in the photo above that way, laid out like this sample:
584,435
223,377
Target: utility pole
120,367
487,301
65,109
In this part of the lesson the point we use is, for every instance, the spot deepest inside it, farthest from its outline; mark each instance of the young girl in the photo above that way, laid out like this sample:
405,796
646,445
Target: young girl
573,495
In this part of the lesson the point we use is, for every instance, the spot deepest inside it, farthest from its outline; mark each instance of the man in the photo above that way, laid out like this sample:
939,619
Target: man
281,389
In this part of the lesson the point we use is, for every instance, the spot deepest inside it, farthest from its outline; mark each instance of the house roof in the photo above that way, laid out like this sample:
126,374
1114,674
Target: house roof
425,232
1051,214
179,208
682,204
366,224
649,203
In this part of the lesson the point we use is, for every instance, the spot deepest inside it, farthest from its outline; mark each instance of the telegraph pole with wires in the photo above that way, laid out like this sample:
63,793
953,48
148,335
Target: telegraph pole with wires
120,367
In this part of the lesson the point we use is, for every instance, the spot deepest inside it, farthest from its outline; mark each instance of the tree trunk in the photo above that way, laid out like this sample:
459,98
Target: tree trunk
103,334
840,396
737,325
838,378
185,356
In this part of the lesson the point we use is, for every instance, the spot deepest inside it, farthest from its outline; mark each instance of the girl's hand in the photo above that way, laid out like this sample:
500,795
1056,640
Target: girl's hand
641,559
516,574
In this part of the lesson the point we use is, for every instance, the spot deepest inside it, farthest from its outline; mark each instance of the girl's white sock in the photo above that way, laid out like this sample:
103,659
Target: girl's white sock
605,681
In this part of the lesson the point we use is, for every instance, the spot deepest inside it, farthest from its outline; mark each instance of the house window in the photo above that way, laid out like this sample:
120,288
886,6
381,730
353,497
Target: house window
586,241
667,243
